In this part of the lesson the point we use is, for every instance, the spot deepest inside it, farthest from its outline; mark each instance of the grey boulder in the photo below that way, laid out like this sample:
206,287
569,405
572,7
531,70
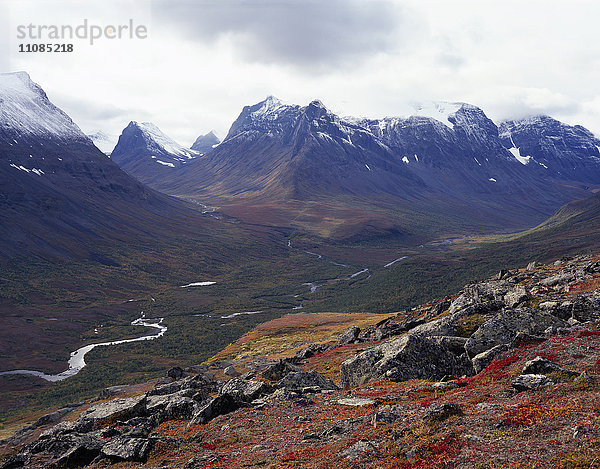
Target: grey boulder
407,357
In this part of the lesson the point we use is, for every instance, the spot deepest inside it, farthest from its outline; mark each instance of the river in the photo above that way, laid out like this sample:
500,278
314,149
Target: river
77,360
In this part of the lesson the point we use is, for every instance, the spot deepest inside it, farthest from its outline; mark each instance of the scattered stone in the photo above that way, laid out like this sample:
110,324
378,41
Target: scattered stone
442,412
230,371
220,405
245,391
176,373
69,450
356,401
298,380
529,382
111,391
357,449
279,370
349,336
172,406
483,359
383,417
541,366
127,449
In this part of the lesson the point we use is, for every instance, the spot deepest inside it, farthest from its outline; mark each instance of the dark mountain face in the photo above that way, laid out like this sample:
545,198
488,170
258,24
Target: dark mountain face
449,157
563,151
59,194
148,154
205,143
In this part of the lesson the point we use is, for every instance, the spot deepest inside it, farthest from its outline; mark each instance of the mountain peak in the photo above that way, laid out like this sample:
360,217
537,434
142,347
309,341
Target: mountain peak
205,143
27,111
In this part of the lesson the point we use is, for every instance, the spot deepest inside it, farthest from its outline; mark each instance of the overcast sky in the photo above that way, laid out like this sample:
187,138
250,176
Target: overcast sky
204,60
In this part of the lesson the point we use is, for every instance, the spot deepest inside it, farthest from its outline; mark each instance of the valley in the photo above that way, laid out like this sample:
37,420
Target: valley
296,211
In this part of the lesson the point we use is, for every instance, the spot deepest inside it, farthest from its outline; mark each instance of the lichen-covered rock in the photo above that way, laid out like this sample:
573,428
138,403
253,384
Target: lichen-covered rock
220,405
245,390
504,327
116,410
487,296
408,357
483,359
172,406
279,370
456,345
529,382
127,449
176,373
442,412
515,295
69,450
358,448
299,380
349,336
542,366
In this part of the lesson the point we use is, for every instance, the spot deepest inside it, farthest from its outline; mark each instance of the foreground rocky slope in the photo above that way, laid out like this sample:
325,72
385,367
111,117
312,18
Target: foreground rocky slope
505,374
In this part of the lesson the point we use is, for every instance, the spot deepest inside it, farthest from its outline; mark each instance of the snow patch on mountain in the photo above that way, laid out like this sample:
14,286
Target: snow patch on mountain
39,172
440,111
524,160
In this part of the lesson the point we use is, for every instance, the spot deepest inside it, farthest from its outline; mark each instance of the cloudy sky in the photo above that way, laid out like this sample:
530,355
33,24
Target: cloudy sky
204,60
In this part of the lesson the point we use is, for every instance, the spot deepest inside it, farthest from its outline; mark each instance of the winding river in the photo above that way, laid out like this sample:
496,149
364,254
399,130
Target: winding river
77,362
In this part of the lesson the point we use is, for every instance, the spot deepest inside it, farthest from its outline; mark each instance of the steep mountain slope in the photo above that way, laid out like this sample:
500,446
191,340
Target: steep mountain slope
147,154
59,194
205,143
446,159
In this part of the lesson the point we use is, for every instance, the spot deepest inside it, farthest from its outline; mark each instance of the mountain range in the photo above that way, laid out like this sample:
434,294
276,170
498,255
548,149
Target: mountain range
449,159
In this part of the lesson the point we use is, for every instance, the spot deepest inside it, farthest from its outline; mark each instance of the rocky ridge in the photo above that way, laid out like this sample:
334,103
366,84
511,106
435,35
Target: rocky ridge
432,351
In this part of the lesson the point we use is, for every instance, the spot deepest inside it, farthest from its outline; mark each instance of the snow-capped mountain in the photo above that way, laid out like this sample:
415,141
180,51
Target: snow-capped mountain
569,152
448,153
205,143
59,194
104,142
146,153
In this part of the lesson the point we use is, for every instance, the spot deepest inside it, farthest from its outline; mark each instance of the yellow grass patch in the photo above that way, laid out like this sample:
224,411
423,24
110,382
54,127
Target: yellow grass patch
284,336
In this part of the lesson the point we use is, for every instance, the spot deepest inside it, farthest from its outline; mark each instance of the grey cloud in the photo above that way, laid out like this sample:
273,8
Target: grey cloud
307,34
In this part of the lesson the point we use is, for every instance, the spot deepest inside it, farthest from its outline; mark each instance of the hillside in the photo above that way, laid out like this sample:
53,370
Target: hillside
510,380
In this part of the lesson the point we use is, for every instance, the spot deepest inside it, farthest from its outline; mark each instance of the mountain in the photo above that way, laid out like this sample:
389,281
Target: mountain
146,153
448,159
569,152
205,143
60,196
104,142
